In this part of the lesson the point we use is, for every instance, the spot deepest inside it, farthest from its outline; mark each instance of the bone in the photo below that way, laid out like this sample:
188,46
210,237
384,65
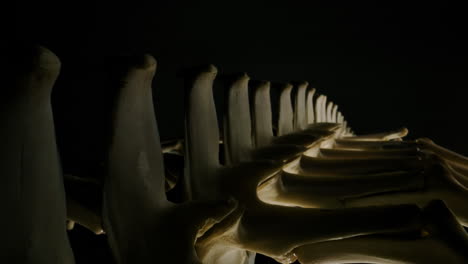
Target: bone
318,108
446,154
442,240
363,145
441,183
340,117
142,226
333,114
323,109
238,141
385,136
238,128
329,112
261,115
286,114
271,230
300,111
310,106
263,133
32,193
328,191
77,213
368,153
312,165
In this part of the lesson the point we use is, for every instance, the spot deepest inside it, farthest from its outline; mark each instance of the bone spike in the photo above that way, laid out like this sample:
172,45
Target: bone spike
237,121
324,109
300,111
32,191
262,119
286,114
310,106
329,112
334,111
318,109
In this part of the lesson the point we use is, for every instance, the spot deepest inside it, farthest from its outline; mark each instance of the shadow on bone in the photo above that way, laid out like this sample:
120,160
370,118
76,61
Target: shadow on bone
32,185
142,226
255,226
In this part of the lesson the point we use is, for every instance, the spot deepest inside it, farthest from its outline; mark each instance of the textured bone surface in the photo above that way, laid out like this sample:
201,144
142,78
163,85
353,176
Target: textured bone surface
142,226
442,240
32,185
268,229
316,193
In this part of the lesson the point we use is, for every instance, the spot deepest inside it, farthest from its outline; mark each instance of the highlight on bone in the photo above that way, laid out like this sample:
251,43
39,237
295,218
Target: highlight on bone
314,192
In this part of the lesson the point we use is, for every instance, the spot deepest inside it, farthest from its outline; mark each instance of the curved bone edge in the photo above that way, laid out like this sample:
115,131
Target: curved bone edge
328,192
340,117
380,249
385,136
323,110
202,135
329,112
84,216
238,139
318,108
333,114
440,184
276,230
306,140
459,174
345,143
286,114
354,165
32,185
310,106
134,186
300,111
321,127
446,154
262,116
367,153
283,153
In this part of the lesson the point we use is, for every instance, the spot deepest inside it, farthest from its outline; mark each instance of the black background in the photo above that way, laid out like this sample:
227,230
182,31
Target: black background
386,65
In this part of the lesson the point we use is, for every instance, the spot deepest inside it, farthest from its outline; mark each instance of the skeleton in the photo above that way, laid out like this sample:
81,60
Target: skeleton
250,204
142,226
256,226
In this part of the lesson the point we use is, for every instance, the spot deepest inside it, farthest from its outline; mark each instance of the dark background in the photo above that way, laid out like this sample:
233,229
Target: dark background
386,65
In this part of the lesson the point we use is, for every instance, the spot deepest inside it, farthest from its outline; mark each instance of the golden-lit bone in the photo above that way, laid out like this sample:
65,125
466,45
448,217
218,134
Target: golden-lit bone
442,240
319,108
255,226
300,110
141,225
323,109
32,191
318,165
329,112
366,153
285,114
262,123
77,213
340,118
441,182
310,106
390,135
333,114
361,145
328,191
238,129
449,156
